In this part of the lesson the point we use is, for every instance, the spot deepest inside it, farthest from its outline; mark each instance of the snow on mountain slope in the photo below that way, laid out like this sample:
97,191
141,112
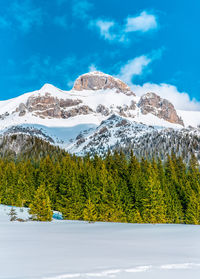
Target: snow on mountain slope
152,120
190,118
102,102
95,97
118,132
61,129
108,98
75,249
111,132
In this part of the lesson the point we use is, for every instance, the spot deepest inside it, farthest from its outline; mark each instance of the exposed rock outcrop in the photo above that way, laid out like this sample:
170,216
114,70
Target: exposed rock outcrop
49,106
162,108
81,110
51,102
103,110
4,115
98,81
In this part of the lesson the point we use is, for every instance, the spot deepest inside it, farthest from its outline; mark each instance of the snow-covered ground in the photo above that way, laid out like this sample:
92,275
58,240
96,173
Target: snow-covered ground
71,249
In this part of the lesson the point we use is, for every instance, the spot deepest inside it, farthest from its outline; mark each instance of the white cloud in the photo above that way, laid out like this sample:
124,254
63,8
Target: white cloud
108,29
113,31
138,65
133,67
144,22
181,100
104,28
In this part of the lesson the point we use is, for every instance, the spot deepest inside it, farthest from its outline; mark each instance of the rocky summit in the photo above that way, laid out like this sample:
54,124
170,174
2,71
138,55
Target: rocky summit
99,113
101,81
162,108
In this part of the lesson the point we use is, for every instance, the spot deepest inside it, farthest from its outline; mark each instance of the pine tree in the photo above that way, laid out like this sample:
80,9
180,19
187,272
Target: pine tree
89,212
47,175
137,217
194,174
40,208
71,198
172,200
153,206
193,211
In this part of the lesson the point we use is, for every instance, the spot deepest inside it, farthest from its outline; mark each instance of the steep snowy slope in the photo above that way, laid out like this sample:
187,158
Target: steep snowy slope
145,141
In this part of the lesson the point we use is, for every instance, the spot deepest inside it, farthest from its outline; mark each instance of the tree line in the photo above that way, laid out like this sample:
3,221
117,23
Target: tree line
113,188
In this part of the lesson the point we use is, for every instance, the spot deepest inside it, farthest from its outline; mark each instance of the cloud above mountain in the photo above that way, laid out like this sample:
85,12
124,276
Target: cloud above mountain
111,30
143,22
138,66
105,28
133,67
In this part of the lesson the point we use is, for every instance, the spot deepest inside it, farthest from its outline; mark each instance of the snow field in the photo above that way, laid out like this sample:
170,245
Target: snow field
73,249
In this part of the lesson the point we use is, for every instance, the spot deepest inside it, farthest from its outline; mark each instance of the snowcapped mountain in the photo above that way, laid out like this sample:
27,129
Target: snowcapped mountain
100,112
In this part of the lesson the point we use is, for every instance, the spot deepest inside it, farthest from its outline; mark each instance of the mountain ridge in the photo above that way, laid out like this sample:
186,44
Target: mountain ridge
62,116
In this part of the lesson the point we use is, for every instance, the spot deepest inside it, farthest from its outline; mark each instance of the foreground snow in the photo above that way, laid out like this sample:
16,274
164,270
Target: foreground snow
69,249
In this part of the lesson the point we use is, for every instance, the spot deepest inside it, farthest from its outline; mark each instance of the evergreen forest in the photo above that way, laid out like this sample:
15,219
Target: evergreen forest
113,188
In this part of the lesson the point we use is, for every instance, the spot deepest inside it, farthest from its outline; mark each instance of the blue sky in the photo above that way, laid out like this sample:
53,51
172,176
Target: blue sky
150,44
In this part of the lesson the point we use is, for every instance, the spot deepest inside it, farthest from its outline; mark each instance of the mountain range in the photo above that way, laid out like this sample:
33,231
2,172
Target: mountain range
98,114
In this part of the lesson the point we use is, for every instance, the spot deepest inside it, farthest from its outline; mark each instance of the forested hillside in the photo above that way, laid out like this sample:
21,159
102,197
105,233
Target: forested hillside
23,146
110,189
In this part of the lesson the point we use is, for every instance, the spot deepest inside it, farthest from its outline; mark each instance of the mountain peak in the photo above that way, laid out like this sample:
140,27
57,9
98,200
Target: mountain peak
100,81
162,108
96,73
48,88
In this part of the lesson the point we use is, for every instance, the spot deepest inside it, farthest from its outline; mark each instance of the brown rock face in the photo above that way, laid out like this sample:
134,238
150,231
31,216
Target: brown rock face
47,101
49,106
99,80
162,108
77,111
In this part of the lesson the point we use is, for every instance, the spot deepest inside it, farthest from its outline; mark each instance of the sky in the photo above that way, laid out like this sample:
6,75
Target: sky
152,45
